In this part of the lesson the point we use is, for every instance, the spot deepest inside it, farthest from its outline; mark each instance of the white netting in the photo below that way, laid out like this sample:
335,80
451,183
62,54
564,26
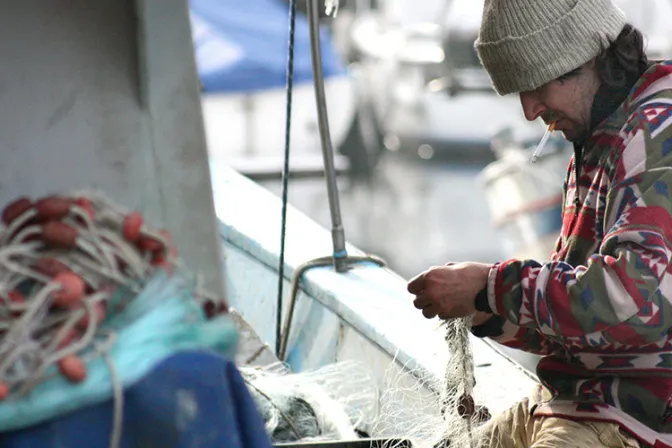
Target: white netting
430,412
345,401
330,403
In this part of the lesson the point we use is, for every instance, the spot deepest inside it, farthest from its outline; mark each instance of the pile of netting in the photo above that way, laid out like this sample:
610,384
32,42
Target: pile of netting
335,402
342,401
91,298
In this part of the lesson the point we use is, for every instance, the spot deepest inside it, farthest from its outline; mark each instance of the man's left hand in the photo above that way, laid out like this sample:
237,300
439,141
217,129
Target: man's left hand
449,291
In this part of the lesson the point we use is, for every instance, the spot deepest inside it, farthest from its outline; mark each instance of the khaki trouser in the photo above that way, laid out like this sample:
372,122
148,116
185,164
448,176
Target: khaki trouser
516,428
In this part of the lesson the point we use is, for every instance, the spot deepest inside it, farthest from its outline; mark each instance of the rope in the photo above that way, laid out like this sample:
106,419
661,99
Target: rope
66,264
285,171
459,410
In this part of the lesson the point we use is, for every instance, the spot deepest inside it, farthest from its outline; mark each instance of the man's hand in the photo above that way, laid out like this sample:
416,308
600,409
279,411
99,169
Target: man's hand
449,291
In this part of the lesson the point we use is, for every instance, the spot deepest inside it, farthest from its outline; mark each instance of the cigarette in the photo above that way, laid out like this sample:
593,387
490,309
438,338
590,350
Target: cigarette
542,143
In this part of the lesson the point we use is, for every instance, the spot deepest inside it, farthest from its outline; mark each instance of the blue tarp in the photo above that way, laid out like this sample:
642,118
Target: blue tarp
192,399
241,45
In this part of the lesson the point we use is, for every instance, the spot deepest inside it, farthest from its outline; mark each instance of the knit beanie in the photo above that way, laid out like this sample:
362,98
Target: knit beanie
523,44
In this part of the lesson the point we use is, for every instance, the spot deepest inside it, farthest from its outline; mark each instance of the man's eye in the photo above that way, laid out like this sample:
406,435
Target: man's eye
562,79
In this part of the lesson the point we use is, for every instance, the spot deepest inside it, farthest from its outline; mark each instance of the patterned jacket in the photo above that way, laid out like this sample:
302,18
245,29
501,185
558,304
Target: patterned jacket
601,309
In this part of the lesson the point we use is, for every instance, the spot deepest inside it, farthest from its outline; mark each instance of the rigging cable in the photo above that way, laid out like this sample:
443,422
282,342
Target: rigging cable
285,172
339,259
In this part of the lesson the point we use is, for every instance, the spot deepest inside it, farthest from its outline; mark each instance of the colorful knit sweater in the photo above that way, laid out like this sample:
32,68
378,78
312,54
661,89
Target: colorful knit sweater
601,309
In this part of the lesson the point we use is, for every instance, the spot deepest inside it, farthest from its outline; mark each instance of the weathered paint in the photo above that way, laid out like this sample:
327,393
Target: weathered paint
105,95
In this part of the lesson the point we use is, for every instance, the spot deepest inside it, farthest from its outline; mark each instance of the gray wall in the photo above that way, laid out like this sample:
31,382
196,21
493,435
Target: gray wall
103,94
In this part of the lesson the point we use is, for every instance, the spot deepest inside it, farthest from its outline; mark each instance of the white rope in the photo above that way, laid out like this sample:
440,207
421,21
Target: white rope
62,259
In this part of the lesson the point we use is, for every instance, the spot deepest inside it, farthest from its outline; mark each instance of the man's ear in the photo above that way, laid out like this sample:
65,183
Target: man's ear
590,64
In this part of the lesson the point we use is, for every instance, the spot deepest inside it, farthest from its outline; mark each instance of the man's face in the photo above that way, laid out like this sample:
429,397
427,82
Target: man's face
567,101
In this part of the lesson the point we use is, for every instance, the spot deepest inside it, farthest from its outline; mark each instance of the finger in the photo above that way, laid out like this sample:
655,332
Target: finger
450,263
422,301
417,284
429,312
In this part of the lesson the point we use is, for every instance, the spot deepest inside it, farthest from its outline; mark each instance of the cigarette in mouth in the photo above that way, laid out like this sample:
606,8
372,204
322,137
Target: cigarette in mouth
542,143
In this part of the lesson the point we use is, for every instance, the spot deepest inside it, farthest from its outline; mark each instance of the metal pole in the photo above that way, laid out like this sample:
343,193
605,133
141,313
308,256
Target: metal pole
337,232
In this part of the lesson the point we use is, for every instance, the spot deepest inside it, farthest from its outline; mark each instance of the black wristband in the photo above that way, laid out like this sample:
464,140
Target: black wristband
491,328
481,302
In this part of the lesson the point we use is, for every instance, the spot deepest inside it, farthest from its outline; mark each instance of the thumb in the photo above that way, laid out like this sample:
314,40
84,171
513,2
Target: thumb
417,284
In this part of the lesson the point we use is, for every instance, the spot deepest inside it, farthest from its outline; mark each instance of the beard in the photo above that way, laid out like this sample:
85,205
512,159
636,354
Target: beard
572,130
575,133
573,136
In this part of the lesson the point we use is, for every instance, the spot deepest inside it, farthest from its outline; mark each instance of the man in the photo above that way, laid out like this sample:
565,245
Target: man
600,310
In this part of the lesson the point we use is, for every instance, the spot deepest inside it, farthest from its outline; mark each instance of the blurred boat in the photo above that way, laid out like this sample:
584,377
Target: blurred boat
525,199
421,73
241,56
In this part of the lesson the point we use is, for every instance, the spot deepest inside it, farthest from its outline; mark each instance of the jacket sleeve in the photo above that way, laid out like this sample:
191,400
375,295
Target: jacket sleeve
504,332
623,292
530,340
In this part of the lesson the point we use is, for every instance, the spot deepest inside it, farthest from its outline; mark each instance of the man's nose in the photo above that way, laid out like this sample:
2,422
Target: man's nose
533,108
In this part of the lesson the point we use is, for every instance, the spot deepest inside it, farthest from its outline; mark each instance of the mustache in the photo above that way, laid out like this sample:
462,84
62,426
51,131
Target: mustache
550,117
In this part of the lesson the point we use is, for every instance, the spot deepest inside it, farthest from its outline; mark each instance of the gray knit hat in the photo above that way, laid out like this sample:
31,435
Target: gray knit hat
523,44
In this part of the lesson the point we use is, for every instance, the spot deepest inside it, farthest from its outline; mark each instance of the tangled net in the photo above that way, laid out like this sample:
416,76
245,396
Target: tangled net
435,412
460,413
332,403
67,262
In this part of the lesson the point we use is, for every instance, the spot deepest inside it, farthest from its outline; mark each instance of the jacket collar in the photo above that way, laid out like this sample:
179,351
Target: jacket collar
608,99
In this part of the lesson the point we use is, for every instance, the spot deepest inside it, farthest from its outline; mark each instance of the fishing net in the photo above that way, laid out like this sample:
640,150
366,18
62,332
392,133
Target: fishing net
345,401
335,402
461,415
434,412
93,296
